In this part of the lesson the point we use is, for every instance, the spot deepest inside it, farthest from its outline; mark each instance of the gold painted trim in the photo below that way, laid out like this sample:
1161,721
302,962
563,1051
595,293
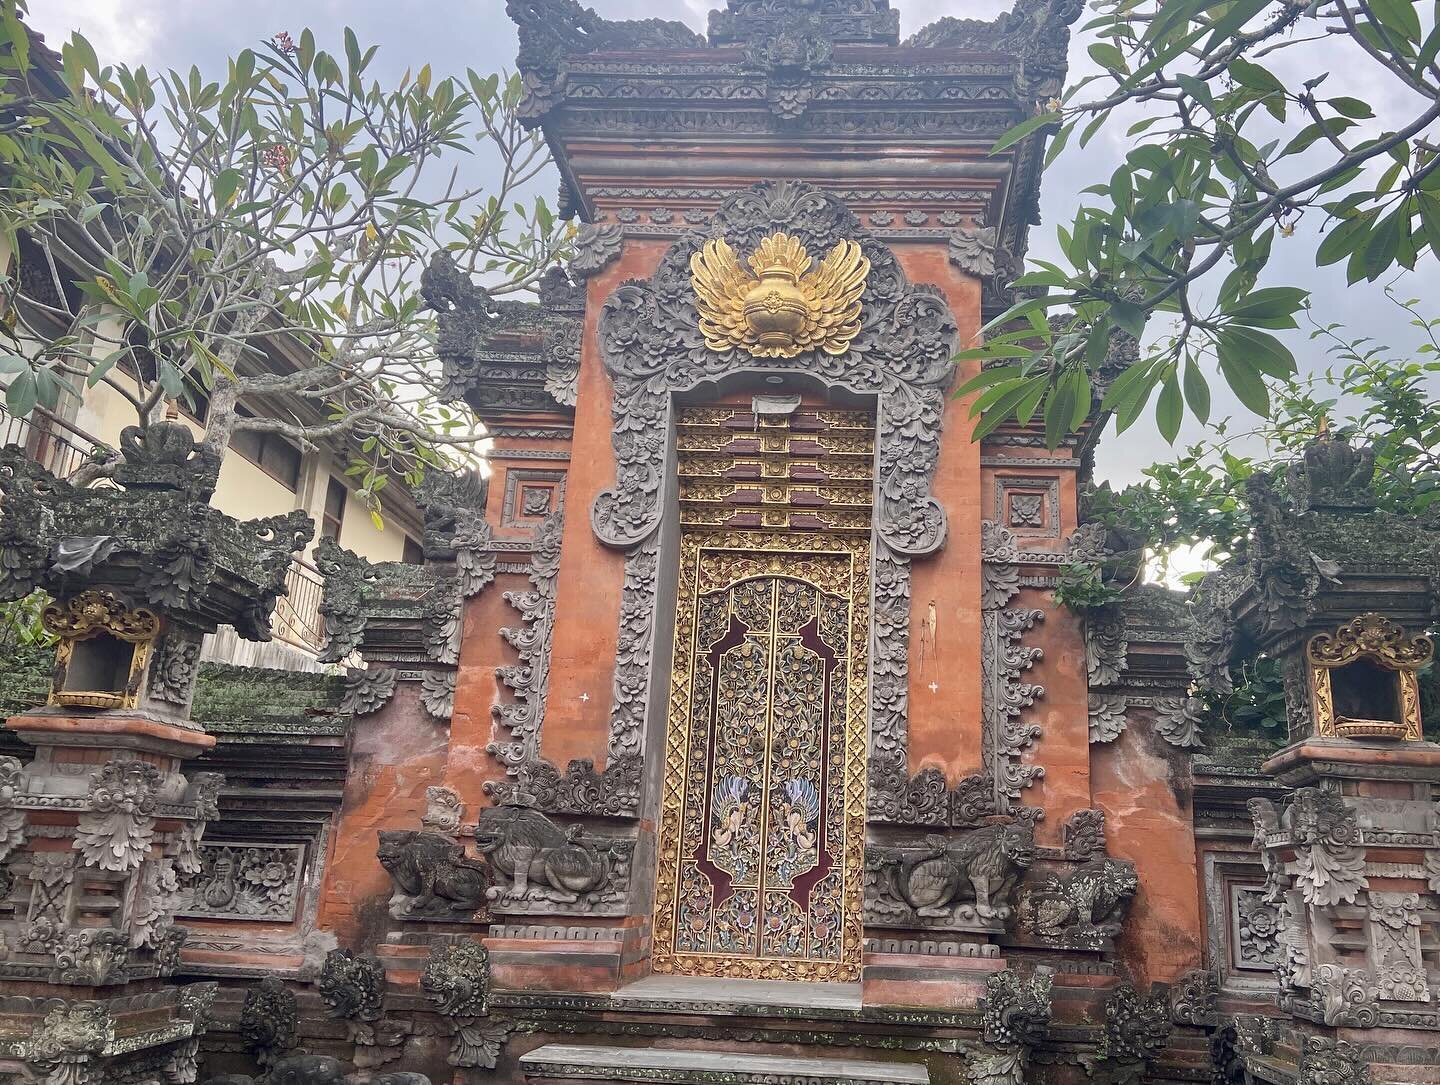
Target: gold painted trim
1374,637
87,615
745,555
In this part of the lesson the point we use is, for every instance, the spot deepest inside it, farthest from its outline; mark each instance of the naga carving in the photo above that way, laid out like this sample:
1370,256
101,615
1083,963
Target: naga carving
1015,1017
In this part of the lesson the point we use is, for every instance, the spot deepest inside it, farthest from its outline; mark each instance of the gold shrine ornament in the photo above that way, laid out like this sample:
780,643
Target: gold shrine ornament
784,308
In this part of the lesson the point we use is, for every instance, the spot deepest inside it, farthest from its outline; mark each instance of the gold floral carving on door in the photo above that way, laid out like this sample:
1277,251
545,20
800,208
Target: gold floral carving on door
761,837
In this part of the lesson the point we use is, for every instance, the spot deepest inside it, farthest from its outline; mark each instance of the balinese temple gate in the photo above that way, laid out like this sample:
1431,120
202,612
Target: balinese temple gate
731,732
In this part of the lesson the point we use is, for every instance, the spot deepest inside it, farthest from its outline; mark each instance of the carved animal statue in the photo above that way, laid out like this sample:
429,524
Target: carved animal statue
307,1070
526,846
434,870
980,868
1085,907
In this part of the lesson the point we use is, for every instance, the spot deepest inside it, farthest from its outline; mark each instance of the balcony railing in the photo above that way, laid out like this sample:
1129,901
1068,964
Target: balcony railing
49,440
297,617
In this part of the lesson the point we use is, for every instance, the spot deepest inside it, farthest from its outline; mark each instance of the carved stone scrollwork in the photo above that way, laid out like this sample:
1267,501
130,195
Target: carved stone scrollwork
652,346
1327,1061
443,810
963,880
978,251
91,956
367,691
1083,835
580,789
1136,1031
1015,1017
1348,997
353,990
432,875
596,247
1177,722
269,1022
1194,999
68,1037
1107,716
1084,909
12,821
173,668
342,603
1395,946
1106,646
529,679
1329,863
457,981
116,832
437,693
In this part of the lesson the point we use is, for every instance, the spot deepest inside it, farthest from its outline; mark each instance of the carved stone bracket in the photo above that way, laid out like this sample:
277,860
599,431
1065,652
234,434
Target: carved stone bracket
1015,1018
1137,1029
1083,909
652,347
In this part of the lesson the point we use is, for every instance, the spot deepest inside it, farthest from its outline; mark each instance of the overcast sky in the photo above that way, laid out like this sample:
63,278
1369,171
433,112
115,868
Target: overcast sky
451,36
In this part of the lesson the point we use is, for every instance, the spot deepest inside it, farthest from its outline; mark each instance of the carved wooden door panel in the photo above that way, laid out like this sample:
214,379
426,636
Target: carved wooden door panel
762,825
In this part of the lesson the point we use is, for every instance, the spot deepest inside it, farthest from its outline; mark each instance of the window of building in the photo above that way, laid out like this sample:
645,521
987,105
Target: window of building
272,453
414,552
336,495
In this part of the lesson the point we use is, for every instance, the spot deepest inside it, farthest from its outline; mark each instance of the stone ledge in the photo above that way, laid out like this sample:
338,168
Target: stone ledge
572,1062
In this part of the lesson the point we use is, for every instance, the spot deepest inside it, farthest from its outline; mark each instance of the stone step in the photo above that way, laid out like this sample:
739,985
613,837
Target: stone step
582,1062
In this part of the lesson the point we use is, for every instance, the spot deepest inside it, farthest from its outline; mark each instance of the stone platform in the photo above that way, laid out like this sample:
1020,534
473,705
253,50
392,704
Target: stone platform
579,1062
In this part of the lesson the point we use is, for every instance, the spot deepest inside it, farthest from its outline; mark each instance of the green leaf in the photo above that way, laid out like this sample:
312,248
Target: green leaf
1397,16
1343,239
1241,375
1353,108
1129,316
1023,129
1169,408
1197,390
1252,75
1108,56
1265,351
227,183
1379,252
1273,307
22,395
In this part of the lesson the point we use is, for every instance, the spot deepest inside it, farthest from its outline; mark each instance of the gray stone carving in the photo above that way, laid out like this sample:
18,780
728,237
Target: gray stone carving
457,981
156,897
1194,999
1004,659
536,857
580,789
1136,1031
1348,997
651,347
269,1022
12,821
245,881
443,810
432,875
437,693
173,667
965,879
1328,1061
1084,909
367,691
353,990
1257,928
1395,946
117,830
1107,716
596,246
1083,835
1106,645
1329,863
67,1038
1015,1018
528,680
1176,721
91,956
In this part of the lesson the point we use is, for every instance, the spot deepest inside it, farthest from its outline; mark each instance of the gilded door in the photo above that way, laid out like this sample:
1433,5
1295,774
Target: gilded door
762,827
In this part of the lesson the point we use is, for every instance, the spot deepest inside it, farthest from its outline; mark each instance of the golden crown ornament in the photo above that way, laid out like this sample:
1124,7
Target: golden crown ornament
784,308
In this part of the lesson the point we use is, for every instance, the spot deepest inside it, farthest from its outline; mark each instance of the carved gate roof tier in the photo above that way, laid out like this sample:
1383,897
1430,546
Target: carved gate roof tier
819,90
1321,553
506,358
163,547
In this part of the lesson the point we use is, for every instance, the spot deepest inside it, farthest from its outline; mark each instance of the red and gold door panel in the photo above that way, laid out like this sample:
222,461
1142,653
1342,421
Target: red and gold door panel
763,818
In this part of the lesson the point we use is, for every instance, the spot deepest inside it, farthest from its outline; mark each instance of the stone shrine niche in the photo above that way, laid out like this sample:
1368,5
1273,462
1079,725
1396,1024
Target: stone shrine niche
104,646
1364,680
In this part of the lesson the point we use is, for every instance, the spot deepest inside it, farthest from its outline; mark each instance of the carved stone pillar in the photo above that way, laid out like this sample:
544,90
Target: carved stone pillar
99,828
